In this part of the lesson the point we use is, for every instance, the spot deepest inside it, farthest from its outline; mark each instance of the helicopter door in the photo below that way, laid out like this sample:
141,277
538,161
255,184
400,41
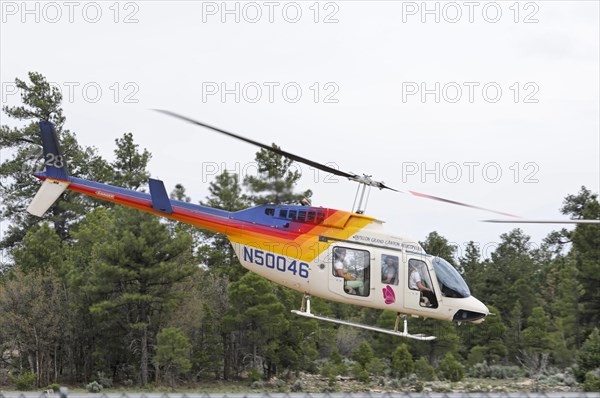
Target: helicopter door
350,272
420,292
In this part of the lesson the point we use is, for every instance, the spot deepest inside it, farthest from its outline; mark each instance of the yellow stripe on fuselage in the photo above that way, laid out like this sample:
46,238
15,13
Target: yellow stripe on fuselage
304,246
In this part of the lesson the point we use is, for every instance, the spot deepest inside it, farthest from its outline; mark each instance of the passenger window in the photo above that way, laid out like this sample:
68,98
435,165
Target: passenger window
354,266
283,213
311,216
292,214
389,269
320,218
301,216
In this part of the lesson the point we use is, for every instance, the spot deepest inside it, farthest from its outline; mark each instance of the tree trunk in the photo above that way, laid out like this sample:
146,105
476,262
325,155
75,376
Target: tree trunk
144,358
226,353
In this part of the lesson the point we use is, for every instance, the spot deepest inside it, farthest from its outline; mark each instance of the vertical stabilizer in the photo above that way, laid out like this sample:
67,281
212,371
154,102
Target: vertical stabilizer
56,176
56,166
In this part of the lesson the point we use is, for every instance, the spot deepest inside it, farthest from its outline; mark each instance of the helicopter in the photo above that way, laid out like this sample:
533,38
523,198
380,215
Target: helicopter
337,255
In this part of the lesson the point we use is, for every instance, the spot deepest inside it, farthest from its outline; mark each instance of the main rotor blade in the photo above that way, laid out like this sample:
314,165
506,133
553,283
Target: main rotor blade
423,195
328,169
525,221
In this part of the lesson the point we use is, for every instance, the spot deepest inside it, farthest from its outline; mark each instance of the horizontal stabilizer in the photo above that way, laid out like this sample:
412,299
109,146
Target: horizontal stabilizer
46,196
160,199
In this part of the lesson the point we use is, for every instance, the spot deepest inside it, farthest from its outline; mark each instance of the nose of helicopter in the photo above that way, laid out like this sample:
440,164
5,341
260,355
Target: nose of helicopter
472,310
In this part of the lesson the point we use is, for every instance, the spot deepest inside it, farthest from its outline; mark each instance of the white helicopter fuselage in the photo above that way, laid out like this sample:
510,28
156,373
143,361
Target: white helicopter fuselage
370,249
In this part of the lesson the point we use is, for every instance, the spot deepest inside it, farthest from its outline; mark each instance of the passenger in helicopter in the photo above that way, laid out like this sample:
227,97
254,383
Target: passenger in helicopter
340,266
415,283
389,270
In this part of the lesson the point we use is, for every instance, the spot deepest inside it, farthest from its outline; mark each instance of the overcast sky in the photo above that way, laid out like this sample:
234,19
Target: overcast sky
490,103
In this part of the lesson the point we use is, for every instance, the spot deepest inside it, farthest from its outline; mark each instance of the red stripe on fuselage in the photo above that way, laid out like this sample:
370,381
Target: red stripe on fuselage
202,220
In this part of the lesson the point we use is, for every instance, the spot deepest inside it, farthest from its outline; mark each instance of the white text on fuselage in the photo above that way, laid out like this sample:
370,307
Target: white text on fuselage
385,242
376,241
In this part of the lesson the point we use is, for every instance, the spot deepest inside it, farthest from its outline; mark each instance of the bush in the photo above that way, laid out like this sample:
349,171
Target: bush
505,372
254,375
104,380
451,369
341,369
402,362
419,386
592,380
54,387
588,357
363,354
480,370
297,386
328,370
363,376
24,382
94,387
376,367
483,371
477,355
280,385
424,370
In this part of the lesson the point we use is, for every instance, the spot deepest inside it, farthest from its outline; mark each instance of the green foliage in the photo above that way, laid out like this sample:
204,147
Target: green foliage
115,290
173,352
94,387
40,101
335,357
297,386
328,370
438,246
536,336
363,354
424,370
419,386
451,369
592,380
24,381
130,165
586,252
402,362
216,251
54,387
276,180
484,371
254,375
588,357
376,367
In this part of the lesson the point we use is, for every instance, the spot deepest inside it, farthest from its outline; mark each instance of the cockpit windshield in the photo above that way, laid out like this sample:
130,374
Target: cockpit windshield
451,283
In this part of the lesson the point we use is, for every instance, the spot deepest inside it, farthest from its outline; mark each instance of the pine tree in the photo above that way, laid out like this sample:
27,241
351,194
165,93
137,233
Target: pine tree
275,183
130,165
133,273
216,251
586,251
18,186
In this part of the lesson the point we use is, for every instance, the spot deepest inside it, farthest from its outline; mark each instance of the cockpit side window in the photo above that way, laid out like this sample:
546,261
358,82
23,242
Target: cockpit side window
419,279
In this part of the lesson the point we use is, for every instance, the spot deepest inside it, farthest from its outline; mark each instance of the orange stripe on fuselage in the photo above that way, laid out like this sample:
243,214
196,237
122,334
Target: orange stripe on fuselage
299,240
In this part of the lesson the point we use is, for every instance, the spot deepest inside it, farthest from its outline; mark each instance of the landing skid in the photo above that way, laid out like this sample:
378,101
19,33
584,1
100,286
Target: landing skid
306,313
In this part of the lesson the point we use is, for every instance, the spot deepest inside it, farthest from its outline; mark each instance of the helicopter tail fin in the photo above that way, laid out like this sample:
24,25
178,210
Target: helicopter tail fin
56,167
56,177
